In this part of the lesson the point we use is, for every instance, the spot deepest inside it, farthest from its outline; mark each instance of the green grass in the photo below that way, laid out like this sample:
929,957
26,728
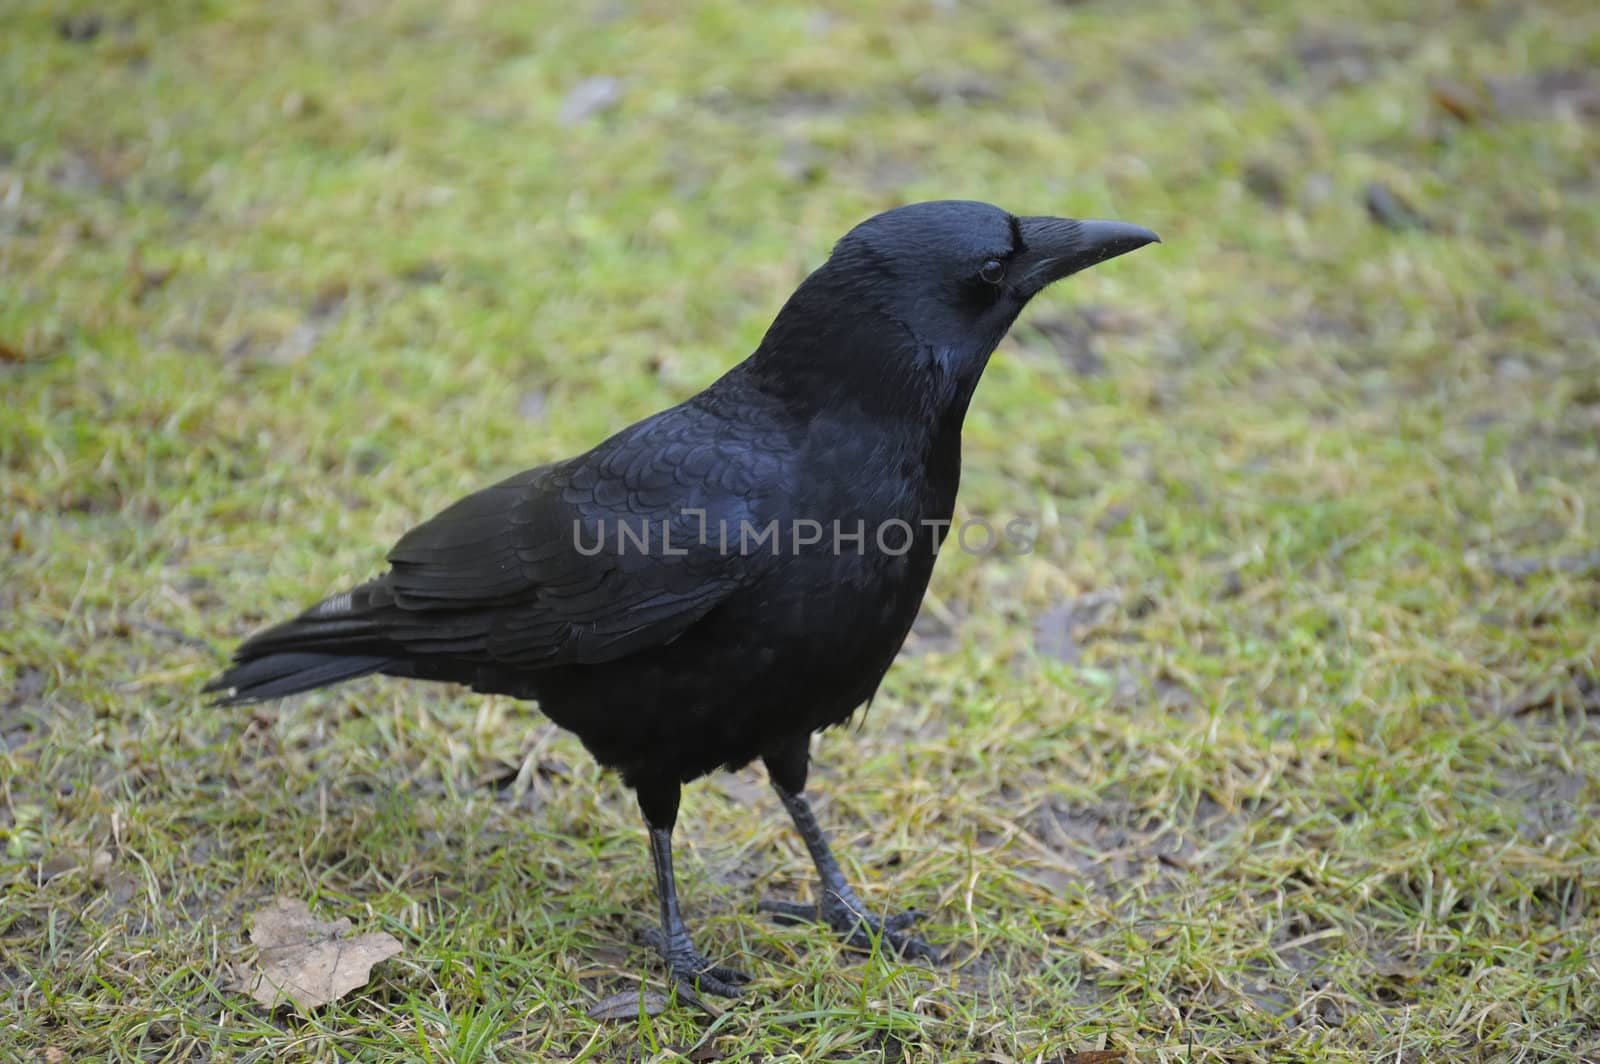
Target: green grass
1306,768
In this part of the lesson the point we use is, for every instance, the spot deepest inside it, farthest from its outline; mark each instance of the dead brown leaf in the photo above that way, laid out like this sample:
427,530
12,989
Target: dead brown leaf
1094,1056
309,961
628,1005
68,861
1460,101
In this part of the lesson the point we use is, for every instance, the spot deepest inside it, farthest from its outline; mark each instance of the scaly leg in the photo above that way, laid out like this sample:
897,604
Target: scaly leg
837,905
689,967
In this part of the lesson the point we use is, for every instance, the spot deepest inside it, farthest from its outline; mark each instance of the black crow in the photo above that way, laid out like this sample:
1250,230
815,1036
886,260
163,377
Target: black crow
721,580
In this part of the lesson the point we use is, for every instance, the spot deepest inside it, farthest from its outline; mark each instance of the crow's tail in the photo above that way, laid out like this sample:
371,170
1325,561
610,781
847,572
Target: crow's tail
338,639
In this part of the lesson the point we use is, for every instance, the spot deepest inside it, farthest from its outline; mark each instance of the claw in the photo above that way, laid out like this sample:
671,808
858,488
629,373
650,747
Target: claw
901,921
857,927
691,986
693,972
837,905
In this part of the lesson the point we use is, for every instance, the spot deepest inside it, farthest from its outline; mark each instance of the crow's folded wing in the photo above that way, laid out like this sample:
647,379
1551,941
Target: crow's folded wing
590,559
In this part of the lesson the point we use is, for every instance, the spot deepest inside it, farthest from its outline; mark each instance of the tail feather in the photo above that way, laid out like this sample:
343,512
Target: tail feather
338,639
288,673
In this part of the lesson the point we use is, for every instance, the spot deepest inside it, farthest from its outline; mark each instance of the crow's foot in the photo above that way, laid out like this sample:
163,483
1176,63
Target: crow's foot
859,928
692,971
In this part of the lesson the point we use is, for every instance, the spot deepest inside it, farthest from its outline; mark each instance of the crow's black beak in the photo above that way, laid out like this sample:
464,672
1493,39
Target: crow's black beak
1059,247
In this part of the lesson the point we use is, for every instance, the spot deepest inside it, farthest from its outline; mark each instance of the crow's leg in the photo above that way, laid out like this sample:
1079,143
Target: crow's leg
659,804
837,905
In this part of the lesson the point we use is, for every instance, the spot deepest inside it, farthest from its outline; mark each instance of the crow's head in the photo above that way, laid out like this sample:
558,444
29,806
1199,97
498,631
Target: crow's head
922,294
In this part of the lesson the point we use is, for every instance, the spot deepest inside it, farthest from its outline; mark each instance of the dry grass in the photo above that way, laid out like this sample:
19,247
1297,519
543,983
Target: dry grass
1281,746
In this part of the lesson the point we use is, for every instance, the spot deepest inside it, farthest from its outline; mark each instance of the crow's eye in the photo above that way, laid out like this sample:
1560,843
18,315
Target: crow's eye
993,271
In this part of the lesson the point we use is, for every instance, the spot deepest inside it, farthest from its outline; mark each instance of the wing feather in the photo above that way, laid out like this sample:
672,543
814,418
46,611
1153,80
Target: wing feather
499,576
